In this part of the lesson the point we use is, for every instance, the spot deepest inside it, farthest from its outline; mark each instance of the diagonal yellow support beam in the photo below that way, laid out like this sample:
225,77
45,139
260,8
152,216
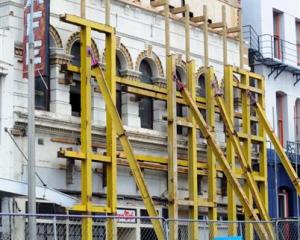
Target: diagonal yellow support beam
279,149
206,131
133,164
247,169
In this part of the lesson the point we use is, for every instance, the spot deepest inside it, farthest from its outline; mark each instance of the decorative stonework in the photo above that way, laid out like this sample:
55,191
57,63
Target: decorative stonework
180,63
124,51
76,37
150,55
199,72
56,37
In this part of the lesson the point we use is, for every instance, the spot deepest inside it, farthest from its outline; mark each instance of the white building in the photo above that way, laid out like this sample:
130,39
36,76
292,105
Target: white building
273,33
140,56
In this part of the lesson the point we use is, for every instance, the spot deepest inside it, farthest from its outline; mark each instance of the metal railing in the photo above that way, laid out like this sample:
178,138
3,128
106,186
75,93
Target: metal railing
60,227
268,47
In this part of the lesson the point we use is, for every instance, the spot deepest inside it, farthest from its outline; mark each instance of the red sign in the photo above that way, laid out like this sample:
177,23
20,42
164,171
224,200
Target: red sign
40,28
126,215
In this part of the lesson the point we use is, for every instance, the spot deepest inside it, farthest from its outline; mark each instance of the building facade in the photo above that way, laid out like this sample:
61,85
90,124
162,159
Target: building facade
273,37
141,57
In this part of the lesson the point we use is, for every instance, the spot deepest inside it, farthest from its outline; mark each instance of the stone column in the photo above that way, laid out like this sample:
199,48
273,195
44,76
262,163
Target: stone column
59,88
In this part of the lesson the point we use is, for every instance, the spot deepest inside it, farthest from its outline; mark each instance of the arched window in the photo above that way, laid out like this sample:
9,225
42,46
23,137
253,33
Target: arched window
75,87
75,52
119,92
281,108
297,120
146,103
181,76
201,90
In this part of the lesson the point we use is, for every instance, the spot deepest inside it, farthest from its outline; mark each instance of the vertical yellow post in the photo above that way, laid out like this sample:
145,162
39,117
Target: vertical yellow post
247,146
263,160
192,156
231,199
211,159
111,141
86,139
172,148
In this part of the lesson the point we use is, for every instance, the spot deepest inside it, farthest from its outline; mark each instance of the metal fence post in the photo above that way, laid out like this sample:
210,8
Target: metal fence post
54,229
166,221
276,229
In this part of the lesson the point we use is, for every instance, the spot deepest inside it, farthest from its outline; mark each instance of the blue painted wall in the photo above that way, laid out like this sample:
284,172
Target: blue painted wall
283,182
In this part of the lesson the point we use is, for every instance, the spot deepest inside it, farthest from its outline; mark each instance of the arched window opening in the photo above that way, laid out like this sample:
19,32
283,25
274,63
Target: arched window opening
119,88
75,87
146,103
281,107
52,43
180,109
75,52
297,120
201,90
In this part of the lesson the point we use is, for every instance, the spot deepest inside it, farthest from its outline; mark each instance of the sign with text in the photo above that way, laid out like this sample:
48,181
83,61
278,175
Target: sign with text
126,215
41,36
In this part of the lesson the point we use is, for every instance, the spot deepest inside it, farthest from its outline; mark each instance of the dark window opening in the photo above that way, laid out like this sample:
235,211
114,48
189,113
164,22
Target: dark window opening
119,88
42,94
75,99
201,86
146,103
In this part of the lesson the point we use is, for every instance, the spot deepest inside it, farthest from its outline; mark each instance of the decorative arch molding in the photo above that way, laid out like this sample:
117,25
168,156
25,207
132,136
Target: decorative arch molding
57,39
200,71
180,63
149,54
125,56
76,37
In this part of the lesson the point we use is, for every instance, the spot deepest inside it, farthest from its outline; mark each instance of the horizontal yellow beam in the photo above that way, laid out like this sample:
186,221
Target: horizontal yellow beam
81,156
205,203
78,21
250,74
95,209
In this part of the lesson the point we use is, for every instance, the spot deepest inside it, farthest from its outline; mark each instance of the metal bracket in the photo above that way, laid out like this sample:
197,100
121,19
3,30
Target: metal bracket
278,68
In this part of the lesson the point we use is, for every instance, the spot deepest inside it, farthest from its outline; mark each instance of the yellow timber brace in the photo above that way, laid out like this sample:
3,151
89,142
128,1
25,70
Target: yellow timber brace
264,232
252,194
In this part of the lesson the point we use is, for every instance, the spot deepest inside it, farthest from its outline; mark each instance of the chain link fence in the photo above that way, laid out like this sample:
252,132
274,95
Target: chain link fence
71,227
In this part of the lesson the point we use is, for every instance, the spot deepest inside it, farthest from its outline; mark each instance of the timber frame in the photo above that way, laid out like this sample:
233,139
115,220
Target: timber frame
236,164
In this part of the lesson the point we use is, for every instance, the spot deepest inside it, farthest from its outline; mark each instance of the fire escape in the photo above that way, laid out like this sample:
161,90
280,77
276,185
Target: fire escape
278,54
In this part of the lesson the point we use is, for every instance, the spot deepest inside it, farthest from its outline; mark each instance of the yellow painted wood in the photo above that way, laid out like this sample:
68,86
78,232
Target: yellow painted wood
192,156
82,22
205,129
111,140
211,159
172,147
133,164
229,105
279,149
244,155
86,127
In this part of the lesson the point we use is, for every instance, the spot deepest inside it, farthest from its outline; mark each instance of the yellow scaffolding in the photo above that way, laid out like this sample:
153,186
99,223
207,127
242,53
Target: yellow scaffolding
256,181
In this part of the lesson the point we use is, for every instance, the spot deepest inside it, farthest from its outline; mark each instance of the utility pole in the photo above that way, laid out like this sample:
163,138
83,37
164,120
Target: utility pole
31,130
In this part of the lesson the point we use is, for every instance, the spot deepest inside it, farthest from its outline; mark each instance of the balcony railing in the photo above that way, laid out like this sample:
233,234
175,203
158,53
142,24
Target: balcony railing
280,55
